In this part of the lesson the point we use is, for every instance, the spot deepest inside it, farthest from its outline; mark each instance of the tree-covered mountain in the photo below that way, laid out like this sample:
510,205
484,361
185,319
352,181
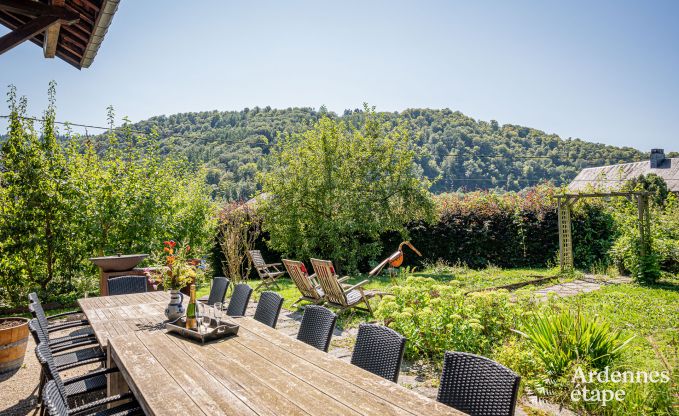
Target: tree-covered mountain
455,150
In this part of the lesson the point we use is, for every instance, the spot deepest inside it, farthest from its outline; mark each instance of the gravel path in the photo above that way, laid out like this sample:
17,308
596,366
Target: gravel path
19,392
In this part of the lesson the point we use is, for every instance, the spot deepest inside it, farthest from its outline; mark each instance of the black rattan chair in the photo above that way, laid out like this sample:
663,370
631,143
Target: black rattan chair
56,404
87,383
35,307
239,300
40,330
268,308
317,326
217,291
477,385
379,350
125,285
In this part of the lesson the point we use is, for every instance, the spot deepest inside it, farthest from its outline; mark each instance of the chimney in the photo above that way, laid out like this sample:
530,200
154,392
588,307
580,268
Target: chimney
657,157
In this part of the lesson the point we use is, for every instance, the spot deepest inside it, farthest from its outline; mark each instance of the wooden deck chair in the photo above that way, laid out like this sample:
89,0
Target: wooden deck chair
337,294
307,285
267,272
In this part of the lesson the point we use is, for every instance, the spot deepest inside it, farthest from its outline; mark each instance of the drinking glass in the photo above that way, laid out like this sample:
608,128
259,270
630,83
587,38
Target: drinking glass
218,312
206,322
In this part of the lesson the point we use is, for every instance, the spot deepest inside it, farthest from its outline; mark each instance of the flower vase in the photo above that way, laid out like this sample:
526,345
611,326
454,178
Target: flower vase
175,309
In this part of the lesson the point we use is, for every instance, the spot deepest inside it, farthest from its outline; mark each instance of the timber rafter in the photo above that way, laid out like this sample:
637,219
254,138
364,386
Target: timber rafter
46,18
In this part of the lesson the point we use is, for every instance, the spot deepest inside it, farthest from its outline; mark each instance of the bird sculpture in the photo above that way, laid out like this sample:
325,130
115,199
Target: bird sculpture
395,260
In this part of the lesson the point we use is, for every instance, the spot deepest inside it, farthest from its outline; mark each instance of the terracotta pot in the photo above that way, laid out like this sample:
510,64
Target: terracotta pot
13,343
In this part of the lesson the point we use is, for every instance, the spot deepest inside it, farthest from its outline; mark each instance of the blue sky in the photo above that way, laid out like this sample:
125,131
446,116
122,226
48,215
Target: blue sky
604,71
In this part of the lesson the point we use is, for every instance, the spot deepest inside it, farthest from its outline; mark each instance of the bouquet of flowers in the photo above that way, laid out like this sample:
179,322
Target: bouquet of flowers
179,270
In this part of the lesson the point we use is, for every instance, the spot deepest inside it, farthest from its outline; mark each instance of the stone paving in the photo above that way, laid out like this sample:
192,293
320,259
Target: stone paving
586,284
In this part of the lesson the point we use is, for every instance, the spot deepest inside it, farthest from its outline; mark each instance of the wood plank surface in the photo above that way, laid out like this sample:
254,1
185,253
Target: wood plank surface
260,371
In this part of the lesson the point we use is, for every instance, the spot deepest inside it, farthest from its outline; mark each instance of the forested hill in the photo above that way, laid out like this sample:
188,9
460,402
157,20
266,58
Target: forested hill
462,152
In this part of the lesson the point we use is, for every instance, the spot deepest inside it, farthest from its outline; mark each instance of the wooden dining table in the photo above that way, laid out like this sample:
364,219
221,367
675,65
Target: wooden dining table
259,371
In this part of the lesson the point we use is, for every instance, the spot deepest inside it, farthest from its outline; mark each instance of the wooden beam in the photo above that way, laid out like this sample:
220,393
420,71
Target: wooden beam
36,9
49,46
25,32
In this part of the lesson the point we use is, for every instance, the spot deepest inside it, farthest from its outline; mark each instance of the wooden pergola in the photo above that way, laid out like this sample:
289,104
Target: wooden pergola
565,204
72,30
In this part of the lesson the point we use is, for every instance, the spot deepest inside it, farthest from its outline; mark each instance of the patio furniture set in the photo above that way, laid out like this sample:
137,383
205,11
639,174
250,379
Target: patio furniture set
145,370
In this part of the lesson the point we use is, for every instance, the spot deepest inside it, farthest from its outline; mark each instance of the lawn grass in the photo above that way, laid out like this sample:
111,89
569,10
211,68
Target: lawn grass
490,277
469,280
650,313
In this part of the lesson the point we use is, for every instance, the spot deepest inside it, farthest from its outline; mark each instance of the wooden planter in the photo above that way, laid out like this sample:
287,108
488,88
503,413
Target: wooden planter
13,343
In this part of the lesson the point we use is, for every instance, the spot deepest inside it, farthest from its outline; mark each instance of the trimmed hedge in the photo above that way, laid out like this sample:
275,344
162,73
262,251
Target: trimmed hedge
507,230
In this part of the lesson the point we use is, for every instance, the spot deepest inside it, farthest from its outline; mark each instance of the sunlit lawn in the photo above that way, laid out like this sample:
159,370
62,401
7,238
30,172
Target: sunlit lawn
469,279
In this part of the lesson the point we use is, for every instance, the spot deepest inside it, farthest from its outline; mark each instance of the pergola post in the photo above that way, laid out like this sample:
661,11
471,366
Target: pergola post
644,223
565,241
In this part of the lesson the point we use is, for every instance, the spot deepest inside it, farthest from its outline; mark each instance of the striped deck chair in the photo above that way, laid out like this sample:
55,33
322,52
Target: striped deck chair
337,294
306,284
267,272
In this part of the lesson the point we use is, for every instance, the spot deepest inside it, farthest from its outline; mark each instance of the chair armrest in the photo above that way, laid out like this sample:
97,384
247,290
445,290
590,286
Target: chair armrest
273,264
341,280
66,325
83,362
90,375
356,286
60,315
98,403
61,348
74,338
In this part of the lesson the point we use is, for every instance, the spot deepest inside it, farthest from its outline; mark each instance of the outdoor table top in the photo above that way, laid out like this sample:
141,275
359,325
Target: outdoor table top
260,371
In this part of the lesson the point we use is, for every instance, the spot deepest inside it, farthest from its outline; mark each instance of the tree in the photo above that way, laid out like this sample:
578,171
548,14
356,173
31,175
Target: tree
40,237
61,202
331,191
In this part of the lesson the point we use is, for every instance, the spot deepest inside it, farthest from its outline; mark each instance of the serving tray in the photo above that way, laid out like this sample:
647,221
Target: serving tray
214,331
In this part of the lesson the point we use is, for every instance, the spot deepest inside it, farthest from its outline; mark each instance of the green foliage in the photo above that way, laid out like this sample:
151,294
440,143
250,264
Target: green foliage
510,229
333,190
63,203
454,151
663,253
562,339
438,317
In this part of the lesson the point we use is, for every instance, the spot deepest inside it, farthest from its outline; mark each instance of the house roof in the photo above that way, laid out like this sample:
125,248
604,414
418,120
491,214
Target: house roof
612,177
75,42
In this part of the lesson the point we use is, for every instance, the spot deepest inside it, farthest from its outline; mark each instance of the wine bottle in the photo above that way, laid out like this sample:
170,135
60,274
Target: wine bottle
191,310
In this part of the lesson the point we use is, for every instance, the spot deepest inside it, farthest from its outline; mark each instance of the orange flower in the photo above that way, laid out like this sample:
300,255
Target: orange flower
188,247
167,249
170,259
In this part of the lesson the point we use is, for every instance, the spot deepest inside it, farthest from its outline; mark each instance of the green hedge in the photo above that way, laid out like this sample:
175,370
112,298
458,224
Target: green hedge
504,229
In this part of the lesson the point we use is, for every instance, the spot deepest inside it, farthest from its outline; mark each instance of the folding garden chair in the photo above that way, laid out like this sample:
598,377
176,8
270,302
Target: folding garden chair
267,272
306,284
336,294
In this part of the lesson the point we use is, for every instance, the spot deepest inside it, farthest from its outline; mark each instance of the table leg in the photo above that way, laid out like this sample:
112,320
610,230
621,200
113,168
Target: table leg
116,383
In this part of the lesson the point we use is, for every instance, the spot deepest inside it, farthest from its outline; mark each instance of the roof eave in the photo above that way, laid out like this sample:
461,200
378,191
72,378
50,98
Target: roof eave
108,9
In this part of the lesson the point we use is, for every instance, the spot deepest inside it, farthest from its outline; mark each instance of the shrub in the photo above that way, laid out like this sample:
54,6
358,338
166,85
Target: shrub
239,228
438,317
61,202
564,338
